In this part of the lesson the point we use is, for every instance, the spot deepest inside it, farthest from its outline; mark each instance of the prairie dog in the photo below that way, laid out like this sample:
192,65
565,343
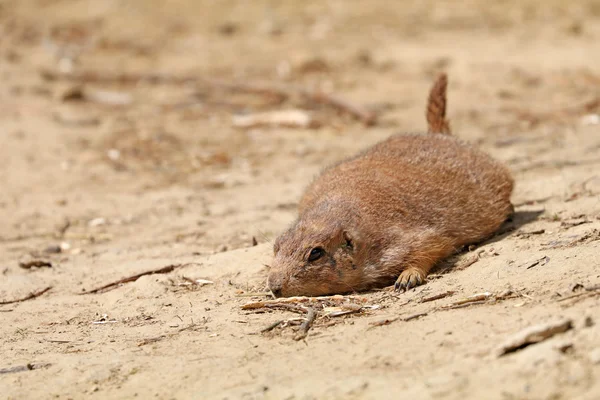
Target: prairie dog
391,212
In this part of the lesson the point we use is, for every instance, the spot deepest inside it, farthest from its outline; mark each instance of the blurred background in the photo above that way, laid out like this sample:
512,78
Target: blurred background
228,101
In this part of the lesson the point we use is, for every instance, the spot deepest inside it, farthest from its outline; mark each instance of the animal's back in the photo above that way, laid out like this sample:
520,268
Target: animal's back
431,180
391,212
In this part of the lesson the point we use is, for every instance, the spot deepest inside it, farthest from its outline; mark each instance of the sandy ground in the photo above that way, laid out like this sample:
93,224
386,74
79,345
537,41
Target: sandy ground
107,179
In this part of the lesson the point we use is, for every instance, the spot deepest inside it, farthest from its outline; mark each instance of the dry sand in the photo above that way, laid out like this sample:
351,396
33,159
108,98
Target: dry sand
142,175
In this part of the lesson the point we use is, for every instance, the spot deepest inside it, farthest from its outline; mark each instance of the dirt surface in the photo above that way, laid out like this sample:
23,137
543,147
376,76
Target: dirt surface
128,161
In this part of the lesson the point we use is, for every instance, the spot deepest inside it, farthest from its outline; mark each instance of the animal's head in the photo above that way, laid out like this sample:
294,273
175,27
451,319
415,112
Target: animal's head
315,257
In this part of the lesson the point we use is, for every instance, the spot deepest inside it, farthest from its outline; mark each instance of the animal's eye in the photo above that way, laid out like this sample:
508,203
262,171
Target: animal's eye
349,244
316,253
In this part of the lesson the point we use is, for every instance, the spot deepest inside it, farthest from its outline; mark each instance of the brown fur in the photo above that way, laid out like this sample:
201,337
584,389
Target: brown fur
436,107
391,212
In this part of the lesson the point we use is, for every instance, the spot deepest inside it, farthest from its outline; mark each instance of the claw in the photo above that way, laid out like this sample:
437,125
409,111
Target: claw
409,279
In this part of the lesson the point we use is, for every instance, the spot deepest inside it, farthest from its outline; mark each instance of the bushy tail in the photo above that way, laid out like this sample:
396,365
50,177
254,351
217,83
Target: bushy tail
436,107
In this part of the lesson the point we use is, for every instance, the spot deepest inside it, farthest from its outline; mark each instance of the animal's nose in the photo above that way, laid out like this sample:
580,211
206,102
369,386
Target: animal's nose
275,285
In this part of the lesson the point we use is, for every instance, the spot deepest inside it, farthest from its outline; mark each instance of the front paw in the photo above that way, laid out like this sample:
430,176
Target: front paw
409,278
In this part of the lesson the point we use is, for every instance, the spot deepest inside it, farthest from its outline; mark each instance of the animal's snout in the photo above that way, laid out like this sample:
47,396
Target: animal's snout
275,284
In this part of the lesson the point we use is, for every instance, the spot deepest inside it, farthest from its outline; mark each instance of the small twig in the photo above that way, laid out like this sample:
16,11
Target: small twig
311,314
161,337
369,118
30,296
540,261
23,368
475,299
414,316
438,296
301,300
272,326
530,233
388,321
588,292
472,303
151,340
254,294
383,322
133,278
35,263
346,309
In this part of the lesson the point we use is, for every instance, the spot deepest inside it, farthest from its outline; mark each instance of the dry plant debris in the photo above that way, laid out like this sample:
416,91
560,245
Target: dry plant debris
35,263
467,301
162,337
313,308
30,296
479,298
533,334
280,118
133,278
22,368
438,296
388,321
322,300
588,291
540,261
282,92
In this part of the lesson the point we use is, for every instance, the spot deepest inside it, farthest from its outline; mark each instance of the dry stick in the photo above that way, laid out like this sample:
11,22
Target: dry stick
388,321
282,92
30,296
133,278
23,368
168,335
311,314
299,300
123,78
480,298
475,299
438,296
272,326
254,294
414,316
589,291
253,88
369,118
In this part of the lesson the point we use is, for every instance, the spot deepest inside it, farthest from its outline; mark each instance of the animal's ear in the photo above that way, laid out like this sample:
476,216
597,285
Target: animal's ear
348,242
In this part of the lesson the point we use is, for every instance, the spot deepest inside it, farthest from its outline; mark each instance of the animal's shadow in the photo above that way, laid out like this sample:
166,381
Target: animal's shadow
517,220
